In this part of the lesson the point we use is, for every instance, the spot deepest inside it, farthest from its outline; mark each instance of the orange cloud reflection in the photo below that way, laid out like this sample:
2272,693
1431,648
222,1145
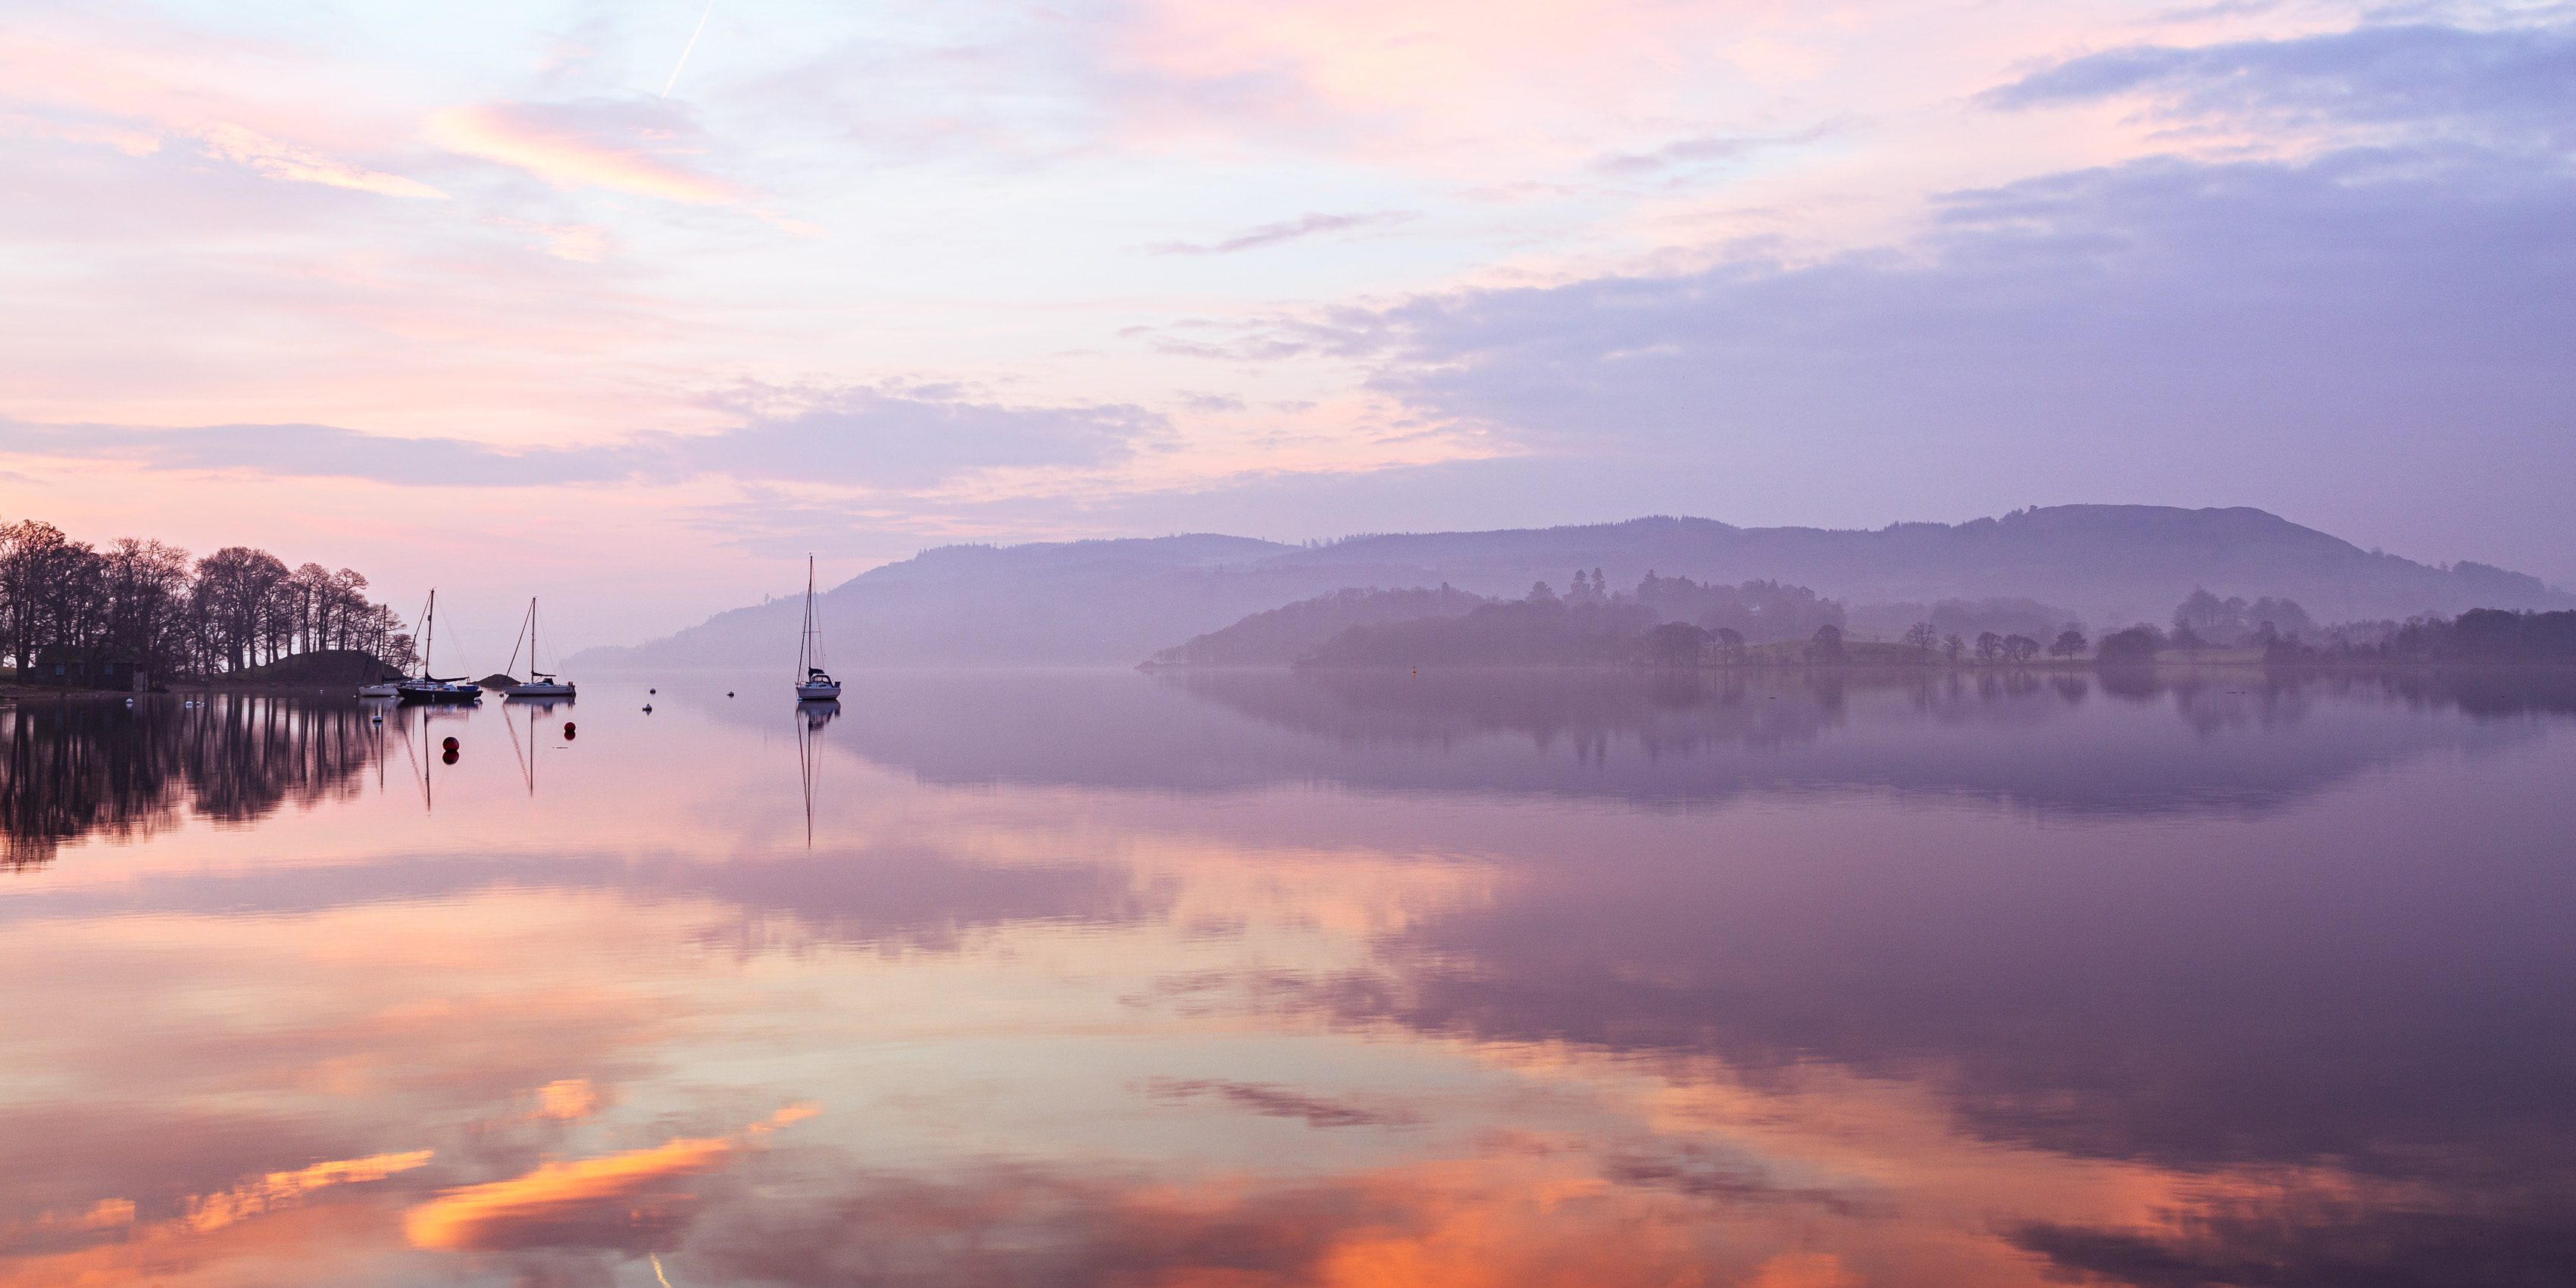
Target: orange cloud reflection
276,1189
604,1200
559,1196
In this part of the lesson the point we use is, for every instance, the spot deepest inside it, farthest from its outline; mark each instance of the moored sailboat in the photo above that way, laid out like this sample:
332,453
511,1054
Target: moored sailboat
431,688
539,684
813,683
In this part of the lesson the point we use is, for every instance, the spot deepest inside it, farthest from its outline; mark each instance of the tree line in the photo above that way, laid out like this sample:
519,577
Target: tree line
1674,622
154,605
2480,635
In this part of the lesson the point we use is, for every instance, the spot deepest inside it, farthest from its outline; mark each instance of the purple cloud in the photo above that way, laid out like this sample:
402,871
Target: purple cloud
2517,83
1307,225
1683,153
847,437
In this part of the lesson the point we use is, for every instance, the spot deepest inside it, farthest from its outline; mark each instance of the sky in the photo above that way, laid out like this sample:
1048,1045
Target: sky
634,305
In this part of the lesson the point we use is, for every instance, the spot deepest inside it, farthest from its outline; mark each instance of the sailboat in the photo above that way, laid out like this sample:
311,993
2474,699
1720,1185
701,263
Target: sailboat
430,688
540,684
813,683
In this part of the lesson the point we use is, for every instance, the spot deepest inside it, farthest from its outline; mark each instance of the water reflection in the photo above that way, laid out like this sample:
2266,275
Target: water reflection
1271,980
128,771
2144,743
811,716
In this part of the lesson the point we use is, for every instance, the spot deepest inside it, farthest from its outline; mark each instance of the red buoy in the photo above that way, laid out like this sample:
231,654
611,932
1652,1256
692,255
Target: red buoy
450,744
448,756
567,731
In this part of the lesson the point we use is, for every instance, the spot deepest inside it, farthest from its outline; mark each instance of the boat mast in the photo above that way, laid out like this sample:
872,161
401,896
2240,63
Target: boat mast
805,639
428,631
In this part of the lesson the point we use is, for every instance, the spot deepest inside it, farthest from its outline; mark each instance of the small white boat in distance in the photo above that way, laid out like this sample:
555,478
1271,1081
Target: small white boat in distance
813,683
539,684
387,689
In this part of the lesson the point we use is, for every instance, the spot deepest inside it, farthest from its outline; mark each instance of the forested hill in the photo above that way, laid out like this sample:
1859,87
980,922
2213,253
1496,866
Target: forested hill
1282,635
1115,602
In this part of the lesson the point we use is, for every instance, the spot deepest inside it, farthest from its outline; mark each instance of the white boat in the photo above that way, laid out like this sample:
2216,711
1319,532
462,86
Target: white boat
425,687
388,689
539,684
813,683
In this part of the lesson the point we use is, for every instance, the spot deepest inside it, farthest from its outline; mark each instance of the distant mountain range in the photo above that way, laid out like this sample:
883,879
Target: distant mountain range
1117,602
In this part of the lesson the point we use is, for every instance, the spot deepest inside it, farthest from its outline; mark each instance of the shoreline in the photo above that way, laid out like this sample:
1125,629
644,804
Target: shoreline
43,692
1919,668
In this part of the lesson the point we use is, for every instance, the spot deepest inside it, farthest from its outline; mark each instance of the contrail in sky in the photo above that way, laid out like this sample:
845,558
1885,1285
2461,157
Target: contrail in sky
684,49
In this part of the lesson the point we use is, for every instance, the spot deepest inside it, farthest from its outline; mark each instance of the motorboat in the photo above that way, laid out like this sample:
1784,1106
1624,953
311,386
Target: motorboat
813,683
539,684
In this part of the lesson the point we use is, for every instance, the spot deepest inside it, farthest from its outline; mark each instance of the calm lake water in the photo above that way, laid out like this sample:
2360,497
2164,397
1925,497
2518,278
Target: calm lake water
1270,979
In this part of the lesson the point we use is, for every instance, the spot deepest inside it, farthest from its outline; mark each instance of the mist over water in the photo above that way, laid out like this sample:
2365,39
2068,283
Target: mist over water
1794,977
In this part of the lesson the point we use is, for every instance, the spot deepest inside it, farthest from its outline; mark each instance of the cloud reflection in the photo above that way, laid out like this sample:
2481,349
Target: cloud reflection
626,1200
276,1189
621,1200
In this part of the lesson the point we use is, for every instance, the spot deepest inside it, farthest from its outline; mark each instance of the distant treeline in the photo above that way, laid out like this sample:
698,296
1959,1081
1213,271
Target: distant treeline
1283,635
1665,621
2478,635
152,605
1585,625
1675,622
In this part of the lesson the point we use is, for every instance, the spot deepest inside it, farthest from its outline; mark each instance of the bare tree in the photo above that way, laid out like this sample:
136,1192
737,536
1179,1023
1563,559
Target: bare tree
237,591
1922,638
146,588
48,588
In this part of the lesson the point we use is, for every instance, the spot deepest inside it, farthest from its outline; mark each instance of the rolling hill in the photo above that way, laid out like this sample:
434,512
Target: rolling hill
1116,602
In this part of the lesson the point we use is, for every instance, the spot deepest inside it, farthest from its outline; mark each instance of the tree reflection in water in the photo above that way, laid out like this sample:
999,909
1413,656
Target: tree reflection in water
72,769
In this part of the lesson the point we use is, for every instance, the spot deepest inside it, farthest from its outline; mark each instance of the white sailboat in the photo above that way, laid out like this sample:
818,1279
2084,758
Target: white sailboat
540,684
430,688
813,683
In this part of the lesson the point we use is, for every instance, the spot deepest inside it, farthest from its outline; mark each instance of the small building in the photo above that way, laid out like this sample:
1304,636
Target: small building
87,669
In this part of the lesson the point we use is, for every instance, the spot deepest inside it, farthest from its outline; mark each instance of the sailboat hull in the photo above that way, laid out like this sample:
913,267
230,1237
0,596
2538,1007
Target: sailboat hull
440,691
539,689
828,692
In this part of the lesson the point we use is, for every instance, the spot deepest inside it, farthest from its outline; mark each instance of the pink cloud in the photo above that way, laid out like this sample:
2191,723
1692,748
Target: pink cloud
1440,73
303,165
631,147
